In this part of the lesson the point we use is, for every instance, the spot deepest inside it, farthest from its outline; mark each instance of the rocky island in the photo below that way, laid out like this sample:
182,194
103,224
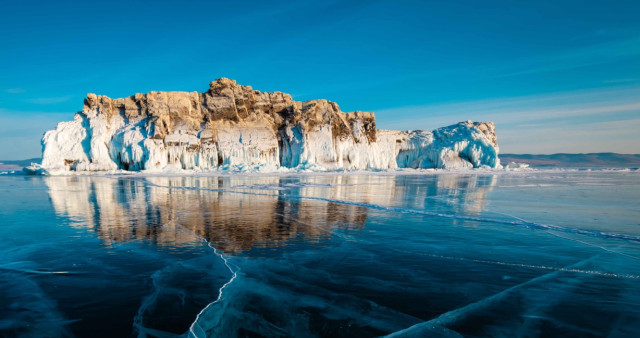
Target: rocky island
234,127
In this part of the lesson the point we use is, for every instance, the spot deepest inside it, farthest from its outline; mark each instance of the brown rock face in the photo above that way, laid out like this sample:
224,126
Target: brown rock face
489,130
229,102
235,127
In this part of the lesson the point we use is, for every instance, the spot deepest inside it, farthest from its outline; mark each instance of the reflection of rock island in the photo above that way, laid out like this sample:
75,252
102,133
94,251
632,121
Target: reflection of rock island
238,213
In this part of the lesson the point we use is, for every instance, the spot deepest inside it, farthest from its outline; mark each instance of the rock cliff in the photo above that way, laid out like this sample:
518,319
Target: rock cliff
235,127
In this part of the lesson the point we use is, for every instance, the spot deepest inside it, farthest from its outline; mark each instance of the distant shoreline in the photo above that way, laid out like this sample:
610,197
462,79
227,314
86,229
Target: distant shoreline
17,164
581,160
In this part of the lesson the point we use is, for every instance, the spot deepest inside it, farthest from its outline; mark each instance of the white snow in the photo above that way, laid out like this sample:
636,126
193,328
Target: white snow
517,166
93,142
68,141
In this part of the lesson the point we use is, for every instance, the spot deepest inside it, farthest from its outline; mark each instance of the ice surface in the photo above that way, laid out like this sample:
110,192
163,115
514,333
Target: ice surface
322,255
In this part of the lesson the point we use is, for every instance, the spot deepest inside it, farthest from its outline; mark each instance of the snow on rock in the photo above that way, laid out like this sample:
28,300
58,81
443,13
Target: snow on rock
235,127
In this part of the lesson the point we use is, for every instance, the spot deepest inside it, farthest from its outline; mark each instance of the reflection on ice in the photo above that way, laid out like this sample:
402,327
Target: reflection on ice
325,255
237,213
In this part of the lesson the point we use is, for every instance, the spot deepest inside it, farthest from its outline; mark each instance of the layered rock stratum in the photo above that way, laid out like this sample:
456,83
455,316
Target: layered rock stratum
231,126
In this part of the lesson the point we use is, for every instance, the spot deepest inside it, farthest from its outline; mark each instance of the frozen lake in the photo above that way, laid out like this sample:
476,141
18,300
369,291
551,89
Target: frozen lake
480,254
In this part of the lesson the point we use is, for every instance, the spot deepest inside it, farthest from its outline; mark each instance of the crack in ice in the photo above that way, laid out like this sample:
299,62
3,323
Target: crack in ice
522,223
577,240
191,332
540,267
451,317
192,328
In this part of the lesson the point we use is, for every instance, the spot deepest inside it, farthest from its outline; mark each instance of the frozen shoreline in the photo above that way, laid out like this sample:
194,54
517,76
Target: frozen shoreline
289,172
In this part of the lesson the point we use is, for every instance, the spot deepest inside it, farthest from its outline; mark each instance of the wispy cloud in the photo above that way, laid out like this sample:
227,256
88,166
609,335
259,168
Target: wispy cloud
612,136
561,60
49,100
590,55
15,90
609,32
621,80
526,124
520,108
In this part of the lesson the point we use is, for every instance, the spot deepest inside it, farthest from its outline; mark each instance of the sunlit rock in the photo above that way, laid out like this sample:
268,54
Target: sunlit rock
235,127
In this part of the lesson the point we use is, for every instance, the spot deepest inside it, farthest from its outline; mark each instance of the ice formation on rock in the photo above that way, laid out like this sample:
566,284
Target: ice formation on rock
234,127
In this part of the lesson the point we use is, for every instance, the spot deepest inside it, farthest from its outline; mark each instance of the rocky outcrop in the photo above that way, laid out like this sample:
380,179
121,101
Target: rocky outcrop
236,127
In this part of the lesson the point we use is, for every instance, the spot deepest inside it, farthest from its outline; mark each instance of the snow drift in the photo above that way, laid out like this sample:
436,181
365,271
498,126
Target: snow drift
235,127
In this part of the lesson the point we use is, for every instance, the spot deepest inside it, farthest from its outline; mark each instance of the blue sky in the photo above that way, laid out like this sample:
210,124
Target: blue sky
555,76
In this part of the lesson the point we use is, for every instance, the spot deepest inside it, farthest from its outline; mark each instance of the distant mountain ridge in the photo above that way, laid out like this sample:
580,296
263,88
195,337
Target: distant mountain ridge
581,160
18,164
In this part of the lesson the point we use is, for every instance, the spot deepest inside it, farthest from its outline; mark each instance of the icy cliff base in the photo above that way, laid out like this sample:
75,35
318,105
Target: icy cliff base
234,127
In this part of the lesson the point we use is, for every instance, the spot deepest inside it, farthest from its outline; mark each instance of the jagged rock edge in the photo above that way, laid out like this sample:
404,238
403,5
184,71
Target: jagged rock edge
235,127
